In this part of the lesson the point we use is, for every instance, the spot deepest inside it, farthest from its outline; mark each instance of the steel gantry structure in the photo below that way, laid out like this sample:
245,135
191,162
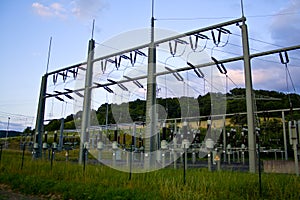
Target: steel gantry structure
151,84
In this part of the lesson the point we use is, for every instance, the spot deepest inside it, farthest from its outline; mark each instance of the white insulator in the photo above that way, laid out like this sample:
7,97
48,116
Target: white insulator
208,122
36,145
185,144
164,144
87,145
54,145
229,150
45,145
100,145
114,145
209,144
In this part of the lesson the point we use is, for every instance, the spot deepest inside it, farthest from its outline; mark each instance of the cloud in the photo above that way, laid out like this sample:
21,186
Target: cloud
41,10
13,126
284,28
267,76
81,9
53,10
87,9
286,24
237,75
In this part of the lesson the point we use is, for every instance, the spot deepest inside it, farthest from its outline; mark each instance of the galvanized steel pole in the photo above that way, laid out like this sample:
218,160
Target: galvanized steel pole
284,136
85,123
249,100
151,100
39,126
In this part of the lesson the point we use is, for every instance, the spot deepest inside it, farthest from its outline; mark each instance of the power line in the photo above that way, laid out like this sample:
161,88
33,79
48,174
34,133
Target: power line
261,41
17,115
225,17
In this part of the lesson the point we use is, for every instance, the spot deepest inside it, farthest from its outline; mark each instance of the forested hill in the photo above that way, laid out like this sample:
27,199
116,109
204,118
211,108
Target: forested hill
4,133
236,102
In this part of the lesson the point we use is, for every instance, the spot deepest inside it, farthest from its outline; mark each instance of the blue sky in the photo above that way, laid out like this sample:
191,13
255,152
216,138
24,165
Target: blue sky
26,27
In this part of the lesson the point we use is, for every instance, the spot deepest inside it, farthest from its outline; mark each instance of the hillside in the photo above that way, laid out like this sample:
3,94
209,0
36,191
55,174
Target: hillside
10,133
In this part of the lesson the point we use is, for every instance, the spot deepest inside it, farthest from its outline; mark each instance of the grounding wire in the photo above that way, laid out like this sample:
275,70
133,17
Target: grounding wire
257,58
224,17
261,41
288,75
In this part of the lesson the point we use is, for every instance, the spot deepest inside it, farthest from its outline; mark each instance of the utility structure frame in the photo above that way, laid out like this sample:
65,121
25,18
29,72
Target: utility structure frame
246,57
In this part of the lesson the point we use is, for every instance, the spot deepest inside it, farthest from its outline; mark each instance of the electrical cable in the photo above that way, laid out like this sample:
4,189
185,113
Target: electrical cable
285,62
261,41
225,17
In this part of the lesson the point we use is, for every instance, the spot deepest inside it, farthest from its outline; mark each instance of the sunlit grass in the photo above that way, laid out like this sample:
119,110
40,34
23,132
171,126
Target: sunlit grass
67,180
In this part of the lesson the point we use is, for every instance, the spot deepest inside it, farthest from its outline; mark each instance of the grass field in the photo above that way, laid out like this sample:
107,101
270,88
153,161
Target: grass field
67,180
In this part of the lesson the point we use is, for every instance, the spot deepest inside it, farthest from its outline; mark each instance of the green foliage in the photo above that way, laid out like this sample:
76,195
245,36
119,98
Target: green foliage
70,125
69,118
53,125
236,103
28,130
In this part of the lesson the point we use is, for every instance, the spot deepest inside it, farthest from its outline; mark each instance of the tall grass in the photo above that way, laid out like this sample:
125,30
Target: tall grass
68,181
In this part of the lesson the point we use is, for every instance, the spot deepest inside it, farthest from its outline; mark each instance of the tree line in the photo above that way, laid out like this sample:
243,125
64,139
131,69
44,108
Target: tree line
235,103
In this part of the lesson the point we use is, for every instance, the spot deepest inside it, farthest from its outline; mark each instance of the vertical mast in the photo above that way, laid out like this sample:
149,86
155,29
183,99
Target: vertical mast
39,126
151,94
249,99
86,114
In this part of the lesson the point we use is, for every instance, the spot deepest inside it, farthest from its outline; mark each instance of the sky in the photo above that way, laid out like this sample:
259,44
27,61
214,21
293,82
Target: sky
26,28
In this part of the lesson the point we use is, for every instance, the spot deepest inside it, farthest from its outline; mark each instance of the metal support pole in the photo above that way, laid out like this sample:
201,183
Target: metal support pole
130,165
52,157
249,100
84,158
39,126
209,161
224,137
184,164
243,157
175,127
174,151
185,157
85,123
163,158
151,100
61,136
23,154
284,136
175,159
114,157
295,142
134,136
228,154
259,165
7,131
194,157
296,157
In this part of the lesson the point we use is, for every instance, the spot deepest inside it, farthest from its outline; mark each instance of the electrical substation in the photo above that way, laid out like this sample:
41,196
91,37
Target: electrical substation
178,66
